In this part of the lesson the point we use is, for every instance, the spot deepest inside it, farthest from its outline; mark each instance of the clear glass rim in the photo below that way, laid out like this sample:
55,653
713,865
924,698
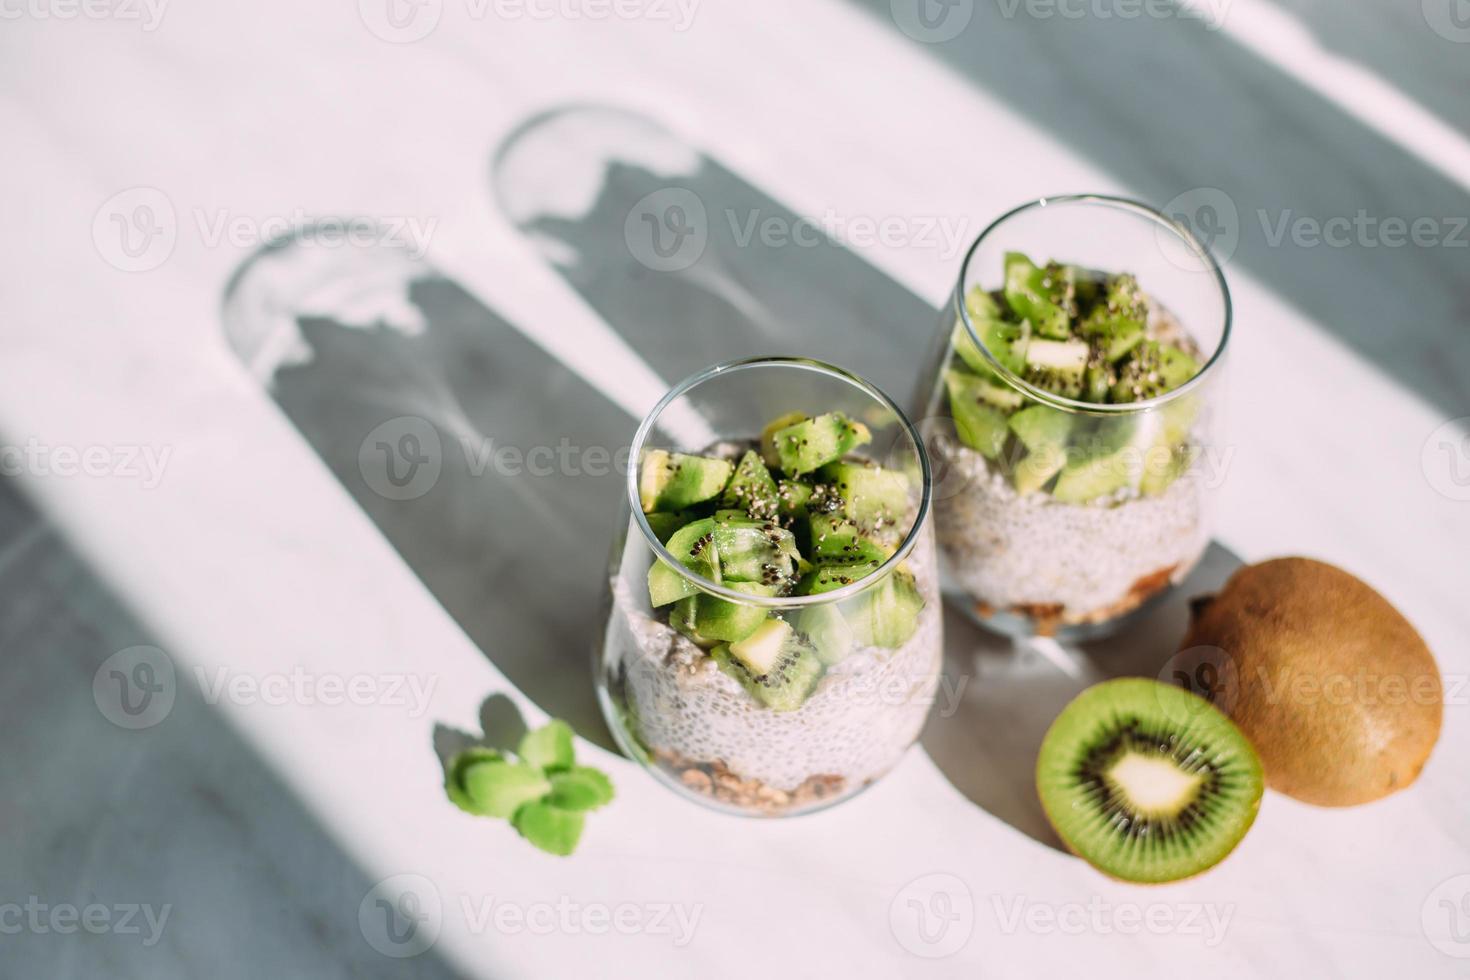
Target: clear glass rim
797,363
1072,404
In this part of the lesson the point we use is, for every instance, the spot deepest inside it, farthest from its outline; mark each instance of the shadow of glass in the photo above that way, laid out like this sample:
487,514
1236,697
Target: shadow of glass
689,262
226,872
997,697
491,468
1250,159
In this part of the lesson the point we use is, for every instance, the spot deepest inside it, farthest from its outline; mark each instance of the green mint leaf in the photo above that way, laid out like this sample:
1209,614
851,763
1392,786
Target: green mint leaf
455,772
499,789
550,828
581,788
548,747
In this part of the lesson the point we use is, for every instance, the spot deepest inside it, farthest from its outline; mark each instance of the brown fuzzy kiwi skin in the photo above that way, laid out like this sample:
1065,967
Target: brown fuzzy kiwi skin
1306,639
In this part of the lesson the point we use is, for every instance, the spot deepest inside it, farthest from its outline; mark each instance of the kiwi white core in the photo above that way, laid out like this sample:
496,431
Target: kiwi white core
1154,785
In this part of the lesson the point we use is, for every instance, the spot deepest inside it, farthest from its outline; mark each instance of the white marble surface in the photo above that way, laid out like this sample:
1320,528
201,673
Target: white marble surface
248,555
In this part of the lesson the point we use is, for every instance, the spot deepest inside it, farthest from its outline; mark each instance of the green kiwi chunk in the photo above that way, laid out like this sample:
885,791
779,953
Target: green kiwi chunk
1148,782
1172,452
1044,296
665,524
1153,370
826,629
837,575
887,614
1044,432
749,550
1004,340
835,538
1105,459
871,495
694,546
792,497
708,619
1059,366
675,481
751,489
1123,311
776,665
768,436
807,445
979,425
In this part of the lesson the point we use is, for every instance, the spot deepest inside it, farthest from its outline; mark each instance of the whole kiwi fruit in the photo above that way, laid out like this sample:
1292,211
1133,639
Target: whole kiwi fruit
1338,692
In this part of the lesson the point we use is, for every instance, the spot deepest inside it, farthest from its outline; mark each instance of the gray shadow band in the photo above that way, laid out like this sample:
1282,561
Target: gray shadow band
489,466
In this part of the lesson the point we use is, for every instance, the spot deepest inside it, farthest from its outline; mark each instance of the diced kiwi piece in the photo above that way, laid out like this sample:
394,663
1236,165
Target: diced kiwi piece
1110,460
1044,431
665,524
751,488
835,538
775,664
873,496
768,437
835,575
684,618
1148,782
761,651
792,497
1122,343
1002,339
1035,470
887,614
1058,366
1123,310
1097,382
1171,454
1042,296
749,550
826,629
978,424
694,546
708,619
1152,370
812,443
674,481
1163,465
1041,426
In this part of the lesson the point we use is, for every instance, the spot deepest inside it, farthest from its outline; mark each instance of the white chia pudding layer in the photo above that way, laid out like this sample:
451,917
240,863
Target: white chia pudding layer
1064,563
863,715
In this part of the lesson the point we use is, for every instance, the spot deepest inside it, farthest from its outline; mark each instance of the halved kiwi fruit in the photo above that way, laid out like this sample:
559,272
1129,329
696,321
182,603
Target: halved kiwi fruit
1148,782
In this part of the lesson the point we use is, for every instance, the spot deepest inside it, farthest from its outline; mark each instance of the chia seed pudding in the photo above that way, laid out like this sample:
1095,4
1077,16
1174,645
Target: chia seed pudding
703,728
782,649
1063,506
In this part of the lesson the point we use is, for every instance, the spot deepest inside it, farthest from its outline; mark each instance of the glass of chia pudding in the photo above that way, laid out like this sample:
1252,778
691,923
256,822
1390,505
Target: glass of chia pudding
1072,415
773,639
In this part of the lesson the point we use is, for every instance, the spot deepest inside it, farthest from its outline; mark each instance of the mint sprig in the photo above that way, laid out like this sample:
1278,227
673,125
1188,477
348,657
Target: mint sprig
542,792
